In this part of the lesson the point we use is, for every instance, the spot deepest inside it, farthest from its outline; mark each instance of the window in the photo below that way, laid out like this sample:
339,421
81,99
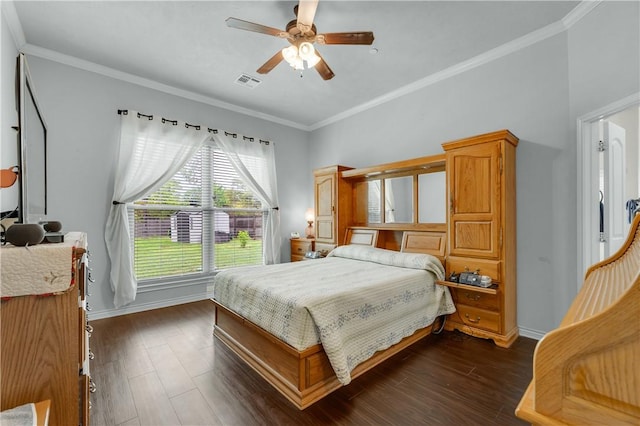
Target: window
202,219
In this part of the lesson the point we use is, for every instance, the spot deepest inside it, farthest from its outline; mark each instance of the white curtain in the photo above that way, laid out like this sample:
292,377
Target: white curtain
255,163
151,152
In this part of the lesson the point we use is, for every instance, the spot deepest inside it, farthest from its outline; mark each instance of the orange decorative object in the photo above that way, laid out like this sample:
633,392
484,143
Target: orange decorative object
8,176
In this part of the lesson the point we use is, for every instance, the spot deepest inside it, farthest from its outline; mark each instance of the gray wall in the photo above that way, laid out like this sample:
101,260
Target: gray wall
537,93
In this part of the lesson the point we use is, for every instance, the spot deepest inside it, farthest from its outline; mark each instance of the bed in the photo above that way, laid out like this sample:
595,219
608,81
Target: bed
587,371
311,327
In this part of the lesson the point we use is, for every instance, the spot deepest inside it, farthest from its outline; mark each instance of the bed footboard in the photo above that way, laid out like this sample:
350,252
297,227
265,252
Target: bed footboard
303,377
587,372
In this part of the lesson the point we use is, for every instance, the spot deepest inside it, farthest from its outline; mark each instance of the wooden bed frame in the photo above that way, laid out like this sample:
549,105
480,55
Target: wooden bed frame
305,377
587,371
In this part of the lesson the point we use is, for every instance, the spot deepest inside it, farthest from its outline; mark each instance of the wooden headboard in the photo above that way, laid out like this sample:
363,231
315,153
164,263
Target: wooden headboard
427,242
367,237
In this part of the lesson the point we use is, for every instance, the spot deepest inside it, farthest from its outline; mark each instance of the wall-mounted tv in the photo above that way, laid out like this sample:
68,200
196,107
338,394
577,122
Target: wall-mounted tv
32,148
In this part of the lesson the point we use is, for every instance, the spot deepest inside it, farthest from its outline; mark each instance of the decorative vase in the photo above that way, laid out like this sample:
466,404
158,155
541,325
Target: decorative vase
22,234
52,226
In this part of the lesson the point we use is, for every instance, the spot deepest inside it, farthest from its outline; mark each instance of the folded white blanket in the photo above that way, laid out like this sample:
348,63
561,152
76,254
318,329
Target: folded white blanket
38,270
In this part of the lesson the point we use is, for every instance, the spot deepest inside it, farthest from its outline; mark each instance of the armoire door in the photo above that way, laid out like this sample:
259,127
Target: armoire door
325,208
474,203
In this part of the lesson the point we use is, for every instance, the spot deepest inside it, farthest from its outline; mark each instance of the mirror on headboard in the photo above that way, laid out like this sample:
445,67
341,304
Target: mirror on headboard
374,206
411,192
398,199
432,197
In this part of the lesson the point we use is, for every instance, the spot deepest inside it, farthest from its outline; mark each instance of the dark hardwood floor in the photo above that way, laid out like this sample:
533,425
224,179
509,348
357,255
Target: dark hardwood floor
164,367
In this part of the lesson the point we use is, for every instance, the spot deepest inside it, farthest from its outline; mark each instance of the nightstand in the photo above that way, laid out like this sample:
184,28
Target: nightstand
299,246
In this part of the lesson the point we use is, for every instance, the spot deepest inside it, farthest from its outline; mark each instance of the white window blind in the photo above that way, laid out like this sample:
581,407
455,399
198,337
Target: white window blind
202,219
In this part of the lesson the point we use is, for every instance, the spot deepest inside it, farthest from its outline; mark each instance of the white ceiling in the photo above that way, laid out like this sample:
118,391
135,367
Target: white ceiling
186,45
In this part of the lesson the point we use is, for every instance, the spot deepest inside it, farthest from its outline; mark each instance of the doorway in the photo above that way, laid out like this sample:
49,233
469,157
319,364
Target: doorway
608,179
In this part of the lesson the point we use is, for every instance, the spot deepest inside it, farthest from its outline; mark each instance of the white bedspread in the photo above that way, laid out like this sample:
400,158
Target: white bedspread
357,301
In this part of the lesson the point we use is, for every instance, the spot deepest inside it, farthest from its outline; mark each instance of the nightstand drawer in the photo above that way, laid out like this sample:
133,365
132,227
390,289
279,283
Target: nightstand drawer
299,246
479,318
474,298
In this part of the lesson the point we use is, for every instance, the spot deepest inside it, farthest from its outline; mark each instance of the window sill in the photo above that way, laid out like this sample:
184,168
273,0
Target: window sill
174,282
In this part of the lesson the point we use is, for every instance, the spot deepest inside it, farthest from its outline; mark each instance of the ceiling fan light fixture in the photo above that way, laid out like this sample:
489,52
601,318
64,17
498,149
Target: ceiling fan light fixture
298,64
306,51
313,60
290,54
302,34
295,56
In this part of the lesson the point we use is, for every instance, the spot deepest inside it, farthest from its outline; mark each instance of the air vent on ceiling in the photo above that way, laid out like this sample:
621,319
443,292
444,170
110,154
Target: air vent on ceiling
247,81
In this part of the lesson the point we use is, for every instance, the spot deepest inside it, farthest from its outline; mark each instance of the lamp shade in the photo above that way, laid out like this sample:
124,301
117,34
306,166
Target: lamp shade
309,215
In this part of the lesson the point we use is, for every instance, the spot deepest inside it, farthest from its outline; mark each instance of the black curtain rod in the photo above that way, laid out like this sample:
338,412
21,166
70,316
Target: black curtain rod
196,126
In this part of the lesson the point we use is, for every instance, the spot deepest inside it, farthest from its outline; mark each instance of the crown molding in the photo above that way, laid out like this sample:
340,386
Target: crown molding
15,27
72,61
515,45
575,15
579,12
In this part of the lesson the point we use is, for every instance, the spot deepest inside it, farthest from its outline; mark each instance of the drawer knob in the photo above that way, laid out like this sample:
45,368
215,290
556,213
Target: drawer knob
475,321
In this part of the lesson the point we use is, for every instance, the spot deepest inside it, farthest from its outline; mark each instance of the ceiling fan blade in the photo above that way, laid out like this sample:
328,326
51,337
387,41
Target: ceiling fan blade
323,69
271,63
365,37
306,13
250,26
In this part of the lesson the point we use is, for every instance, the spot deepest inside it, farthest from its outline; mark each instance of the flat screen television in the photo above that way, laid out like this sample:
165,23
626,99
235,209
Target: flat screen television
32,148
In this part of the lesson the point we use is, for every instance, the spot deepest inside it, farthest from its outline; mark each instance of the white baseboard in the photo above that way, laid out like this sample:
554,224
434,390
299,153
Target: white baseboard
108,313
131,309
532,334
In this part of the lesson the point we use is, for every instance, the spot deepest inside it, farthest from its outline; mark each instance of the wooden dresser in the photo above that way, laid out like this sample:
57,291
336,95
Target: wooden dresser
44,340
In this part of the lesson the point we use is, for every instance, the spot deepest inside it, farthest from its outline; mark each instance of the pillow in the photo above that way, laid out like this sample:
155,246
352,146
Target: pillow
390,257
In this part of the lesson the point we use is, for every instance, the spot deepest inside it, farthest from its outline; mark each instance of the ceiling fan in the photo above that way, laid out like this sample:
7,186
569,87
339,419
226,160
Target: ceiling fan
302,34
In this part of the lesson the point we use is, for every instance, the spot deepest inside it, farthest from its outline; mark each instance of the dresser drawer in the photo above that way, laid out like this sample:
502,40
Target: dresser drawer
300,247
479,318
477,299
484,267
